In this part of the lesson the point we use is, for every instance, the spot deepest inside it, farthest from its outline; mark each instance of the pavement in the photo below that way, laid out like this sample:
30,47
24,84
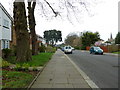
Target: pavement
60,72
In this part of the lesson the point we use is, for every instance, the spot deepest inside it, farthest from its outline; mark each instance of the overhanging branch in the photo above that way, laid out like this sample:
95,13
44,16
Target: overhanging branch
56,13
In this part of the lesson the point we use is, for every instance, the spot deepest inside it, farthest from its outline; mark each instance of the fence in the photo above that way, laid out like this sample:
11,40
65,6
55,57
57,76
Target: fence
108,48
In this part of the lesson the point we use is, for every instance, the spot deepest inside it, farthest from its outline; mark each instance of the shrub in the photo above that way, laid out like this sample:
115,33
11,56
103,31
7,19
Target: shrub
25,66
35,69
5,63
77,47
42,48
83,47
18,67
6,52
50,49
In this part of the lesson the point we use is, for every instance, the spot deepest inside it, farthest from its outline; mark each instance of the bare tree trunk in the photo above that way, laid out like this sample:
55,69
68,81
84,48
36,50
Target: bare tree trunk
22,35
31,19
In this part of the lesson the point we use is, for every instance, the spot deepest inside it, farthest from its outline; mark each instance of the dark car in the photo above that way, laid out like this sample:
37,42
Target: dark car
96,50
62,48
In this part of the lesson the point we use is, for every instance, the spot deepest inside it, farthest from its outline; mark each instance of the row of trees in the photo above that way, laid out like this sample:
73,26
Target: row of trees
85,39
21,20
22,33
21,29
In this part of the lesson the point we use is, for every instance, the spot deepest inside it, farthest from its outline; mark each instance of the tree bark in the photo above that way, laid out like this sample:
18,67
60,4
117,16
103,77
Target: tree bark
22,35
31,19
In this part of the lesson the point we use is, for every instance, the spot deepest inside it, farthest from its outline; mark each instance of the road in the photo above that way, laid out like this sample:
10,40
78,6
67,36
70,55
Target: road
101,69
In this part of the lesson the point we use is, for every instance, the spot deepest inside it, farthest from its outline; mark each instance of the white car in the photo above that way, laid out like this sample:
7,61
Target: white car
68,49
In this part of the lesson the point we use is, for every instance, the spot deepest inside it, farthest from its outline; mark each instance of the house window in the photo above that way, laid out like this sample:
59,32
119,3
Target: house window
6,23
5,44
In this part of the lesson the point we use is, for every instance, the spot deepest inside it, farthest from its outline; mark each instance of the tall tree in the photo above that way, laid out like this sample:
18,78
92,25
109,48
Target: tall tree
70,39
31,18
22,35
89,38
117,39
52,36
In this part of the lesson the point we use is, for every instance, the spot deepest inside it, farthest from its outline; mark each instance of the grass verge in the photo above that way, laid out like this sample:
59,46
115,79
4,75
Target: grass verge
20,79
15,79
41,59
116,52
37,60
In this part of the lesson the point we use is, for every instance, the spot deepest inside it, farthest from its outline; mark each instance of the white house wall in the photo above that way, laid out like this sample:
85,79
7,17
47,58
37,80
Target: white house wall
6,32
0,24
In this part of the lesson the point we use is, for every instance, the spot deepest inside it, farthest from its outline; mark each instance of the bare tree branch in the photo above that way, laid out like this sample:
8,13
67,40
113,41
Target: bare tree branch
56,13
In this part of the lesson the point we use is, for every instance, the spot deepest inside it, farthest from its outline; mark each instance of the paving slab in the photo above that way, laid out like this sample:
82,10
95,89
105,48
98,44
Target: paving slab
60,73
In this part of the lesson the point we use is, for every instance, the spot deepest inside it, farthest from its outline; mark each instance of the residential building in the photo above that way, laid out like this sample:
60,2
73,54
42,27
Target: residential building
40,41
100,43
5,29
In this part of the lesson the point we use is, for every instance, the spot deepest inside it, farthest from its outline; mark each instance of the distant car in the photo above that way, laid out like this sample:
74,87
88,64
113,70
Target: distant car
62,48
68,49
96,50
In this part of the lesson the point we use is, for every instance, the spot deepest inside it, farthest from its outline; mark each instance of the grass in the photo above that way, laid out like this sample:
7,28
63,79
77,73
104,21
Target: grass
14,79
116,52
17,79
40,60
37,60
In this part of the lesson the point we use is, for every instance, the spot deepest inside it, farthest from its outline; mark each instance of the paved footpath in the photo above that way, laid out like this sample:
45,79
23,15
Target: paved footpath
60,73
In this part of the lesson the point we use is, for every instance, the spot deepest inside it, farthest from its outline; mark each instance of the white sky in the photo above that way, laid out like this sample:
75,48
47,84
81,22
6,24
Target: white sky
105,20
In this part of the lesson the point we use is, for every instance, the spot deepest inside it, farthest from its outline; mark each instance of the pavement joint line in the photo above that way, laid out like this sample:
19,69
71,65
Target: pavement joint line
87,79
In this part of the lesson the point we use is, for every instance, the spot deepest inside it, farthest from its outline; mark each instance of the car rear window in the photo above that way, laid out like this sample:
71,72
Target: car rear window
67,47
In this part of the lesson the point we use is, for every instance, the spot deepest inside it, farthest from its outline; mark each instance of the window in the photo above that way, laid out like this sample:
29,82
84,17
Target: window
6,23
5,44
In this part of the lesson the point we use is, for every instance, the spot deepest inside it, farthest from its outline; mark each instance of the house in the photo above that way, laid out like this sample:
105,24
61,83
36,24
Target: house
40,41
101,42
5,29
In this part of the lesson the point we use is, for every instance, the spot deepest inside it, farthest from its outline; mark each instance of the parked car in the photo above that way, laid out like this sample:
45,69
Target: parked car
96,50
68,49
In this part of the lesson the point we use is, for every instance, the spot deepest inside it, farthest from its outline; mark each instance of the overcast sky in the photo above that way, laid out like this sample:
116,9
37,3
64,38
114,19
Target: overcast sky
103,18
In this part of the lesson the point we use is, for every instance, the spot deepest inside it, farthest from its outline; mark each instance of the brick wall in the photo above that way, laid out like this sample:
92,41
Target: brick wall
13,42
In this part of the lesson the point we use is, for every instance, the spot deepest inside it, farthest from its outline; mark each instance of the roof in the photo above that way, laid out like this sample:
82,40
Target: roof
5,11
